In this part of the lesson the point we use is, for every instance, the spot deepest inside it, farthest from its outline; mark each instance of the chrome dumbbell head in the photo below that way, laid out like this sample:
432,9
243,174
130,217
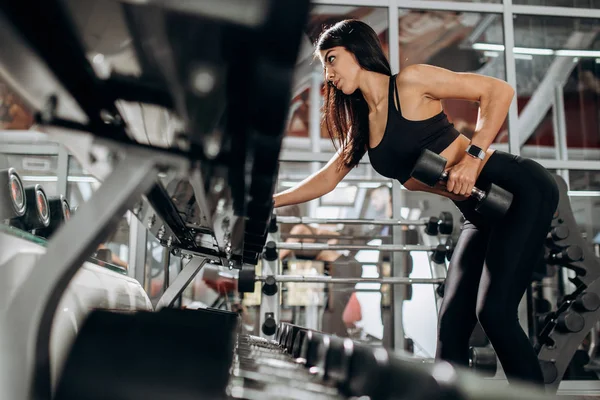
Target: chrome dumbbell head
60,212
37,215
13,202
264,370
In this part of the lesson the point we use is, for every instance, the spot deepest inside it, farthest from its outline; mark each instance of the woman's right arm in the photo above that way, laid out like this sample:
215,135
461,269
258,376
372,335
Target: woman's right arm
318,184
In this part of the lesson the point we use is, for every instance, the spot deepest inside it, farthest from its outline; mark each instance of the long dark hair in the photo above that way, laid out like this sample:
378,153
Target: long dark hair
347,116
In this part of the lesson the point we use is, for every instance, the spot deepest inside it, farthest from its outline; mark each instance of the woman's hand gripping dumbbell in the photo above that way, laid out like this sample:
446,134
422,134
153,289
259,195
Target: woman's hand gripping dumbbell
430,169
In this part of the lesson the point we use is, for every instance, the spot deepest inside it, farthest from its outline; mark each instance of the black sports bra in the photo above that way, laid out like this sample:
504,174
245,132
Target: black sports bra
403,140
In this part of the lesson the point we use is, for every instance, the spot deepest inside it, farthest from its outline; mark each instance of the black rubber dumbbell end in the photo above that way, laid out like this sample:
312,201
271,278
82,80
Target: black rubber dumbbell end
429,168
270,286
439,254
557,233
273,223
587,301
431,227
270,253
570,322
246,279
270,325
570,254
440,289
449,248
483,360
446,223
549,371
495,203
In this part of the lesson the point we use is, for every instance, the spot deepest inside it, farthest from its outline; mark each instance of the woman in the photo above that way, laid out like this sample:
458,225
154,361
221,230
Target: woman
394,118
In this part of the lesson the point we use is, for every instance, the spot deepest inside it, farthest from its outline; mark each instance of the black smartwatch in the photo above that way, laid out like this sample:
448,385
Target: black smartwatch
475,152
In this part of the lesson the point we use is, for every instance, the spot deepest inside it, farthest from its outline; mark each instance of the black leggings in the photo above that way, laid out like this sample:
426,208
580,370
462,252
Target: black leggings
492,266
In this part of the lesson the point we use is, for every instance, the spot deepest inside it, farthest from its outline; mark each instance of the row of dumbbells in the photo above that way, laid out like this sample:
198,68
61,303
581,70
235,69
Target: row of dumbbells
29,208
305,364
264,369
565,248
562,327
202,354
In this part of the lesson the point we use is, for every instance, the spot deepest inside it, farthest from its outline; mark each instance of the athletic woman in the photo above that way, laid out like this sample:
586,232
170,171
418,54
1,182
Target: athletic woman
394,118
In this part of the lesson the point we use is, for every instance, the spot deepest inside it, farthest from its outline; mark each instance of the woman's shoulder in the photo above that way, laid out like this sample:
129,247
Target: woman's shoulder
414,74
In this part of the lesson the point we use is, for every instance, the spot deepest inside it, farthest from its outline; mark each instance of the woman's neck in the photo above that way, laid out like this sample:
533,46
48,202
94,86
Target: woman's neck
374,88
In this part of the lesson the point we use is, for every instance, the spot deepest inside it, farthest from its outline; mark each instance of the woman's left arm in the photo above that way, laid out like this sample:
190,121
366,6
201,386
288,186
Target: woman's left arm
494,97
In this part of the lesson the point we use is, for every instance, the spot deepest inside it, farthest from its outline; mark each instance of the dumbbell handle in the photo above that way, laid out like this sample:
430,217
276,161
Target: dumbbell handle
475,192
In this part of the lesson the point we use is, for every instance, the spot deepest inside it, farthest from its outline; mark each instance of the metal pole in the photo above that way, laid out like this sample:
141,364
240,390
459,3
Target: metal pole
380,247
350,221
184,278
561,133
339,237
354,263
399,270
62,172
393,37
514,145
329,279
166,265
314,126
138,236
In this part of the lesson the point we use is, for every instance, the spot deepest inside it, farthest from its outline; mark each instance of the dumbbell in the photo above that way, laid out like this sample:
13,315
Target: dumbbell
246,279
262,371
286,336
430,169
368,373
378,374
337,361
270,325
587,301
37,210
60,212
440,254
13,202
314,351
570,321
440,289
443,224
570,254
450,246
558,233
483,360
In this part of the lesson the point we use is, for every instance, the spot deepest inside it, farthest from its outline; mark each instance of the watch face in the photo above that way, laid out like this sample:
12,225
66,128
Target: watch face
475,151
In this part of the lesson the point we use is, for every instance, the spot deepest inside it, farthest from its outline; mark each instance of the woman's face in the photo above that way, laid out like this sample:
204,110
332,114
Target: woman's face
341,69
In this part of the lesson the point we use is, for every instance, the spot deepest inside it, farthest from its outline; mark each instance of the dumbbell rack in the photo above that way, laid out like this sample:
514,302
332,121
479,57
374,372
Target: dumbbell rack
579,311
265,369
271,290
226,146
271,277
301,363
